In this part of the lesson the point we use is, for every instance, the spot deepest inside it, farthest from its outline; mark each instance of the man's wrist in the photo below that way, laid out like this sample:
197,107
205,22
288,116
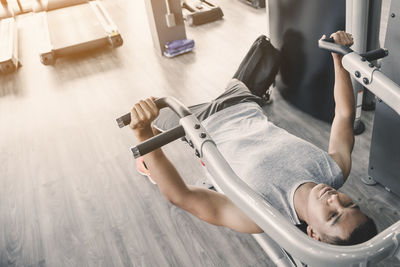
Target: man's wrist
337,61
143,134
337,58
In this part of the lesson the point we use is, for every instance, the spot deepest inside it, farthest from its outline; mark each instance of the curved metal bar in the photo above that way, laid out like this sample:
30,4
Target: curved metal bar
163,102
299,245
274,224
157,141
373,79
180,109
273,250
167,136
332,47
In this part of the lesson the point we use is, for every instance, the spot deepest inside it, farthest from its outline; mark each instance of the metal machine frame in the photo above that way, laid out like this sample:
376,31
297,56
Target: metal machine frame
357,25
384,154
280,234
363,21
49,52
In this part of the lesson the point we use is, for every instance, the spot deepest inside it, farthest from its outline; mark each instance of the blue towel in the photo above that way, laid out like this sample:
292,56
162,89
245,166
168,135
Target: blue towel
179,43
173,54
178,47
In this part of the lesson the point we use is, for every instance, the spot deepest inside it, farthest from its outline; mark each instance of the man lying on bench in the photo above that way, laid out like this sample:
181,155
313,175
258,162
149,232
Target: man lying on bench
296,177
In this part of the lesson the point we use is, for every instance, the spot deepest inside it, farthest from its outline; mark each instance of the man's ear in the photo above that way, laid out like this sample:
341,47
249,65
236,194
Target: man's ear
313,234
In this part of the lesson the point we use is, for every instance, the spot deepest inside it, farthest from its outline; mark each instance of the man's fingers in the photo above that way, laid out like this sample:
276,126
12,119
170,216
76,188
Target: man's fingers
143,113
349,39
149,108
152,106
343,38
134,118
146,109
335,34
140,111
147,112
336,37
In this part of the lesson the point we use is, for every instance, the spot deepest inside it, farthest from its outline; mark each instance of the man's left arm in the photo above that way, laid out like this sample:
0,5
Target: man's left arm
341,140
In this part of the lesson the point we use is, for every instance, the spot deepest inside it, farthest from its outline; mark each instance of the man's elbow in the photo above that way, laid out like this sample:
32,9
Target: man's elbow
178,200
174,200
345,114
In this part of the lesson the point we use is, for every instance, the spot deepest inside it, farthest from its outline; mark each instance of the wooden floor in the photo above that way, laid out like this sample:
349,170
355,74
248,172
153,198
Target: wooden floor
69,191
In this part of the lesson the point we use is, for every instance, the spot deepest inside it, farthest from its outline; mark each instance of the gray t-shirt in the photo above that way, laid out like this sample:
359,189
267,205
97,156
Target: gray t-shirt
270,160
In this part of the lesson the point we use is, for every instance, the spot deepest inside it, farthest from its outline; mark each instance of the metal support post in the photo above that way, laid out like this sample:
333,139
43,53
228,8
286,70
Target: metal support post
357,25
160,32
374,21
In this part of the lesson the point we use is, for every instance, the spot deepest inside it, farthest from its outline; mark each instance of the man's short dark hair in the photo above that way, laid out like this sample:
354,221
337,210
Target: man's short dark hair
360,234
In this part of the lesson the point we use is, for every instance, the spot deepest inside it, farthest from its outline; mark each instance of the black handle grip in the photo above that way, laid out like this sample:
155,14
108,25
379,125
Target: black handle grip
328,44
158,141
330,40
375,54
126,119
180,109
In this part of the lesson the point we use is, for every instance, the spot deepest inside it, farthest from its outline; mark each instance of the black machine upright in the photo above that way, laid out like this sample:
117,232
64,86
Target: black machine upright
384,159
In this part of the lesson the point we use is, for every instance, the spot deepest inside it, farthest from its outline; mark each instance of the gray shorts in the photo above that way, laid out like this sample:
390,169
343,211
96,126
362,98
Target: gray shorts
236,92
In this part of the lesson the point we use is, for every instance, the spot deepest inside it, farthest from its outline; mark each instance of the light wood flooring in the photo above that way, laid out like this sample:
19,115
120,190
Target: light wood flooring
69,191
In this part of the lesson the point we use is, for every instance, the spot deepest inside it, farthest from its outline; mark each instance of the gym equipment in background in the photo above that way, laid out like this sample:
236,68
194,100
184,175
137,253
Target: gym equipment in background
5,10
197,12
280,234
169,17
255,3
357,25
363,22
308,84
306,77
8,45
20,6
161,33
9,8
373,42
384,158
178,47
24,6
59,21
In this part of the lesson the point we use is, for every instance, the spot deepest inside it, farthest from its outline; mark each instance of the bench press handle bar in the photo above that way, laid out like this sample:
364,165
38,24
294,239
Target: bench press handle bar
275,225
364,72
163,138
329,44
163,102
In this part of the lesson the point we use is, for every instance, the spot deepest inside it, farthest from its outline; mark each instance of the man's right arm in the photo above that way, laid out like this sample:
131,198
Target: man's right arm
208,205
